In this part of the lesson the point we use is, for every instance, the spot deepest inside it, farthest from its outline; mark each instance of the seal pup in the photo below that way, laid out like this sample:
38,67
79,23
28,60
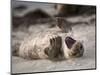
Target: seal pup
51,46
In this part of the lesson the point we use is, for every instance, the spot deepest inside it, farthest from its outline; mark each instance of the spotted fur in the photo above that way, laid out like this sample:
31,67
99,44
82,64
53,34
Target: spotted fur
49,46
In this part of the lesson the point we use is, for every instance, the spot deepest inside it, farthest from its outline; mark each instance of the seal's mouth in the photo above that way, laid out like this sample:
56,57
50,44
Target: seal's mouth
69,42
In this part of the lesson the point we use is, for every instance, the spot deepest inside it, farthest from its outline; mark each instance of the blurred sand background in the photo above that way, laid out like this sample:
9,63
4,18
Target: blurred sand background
24,28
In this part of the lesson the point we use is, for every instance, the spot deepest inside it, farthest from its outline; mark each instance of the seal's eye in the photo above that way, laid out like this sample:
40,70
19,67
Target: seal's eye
81,47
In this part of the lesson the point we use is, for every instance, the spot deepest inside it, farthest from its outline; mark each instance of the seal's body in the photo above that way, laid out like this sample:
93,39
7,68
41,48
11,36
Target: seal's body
50,45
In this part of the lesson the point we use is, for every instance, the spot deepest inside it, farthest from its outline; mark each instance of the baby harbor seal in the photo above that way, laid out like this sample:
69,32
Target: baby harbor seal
50,46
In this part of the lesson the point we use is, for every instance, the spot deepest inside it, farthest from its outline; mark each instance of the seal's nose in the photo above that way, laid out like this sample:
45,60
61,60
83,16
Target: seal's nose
69,42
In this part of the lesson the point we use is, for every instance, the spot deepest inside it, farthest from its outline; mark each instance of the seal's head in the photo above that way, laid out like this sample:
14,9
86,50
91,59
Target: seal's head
75,48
